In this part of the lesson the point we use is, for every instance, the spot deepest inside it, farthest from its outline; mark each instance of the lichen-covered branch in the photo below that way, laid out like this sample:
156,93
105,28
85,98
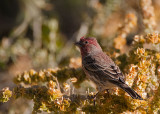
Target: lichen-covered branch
141,67
129,23
32,77
148,15
5,94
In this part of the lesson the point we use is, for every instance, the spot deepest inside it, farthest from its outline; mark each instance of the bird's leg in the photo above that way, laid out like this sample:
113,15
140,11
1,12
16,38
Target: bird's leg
107,90
100,90
94,99
96,94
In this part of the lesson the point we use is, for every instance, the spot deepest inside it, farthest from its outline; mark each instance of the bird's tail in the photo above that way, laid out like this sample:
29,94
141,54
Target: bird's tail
130,91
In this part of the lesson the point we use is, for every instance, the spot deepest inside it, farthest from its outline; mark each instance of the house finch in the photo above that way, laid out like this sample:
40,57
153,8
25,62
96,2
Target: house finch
100,68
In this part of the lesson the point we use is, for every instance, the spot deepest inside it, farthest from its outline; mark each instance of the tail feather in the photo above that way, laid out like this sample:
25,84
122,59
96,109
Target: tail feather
130,91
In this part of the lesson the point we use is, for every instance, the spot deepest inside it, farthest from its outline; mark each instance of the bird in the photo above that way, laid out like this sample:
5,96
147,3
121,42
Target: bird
100,68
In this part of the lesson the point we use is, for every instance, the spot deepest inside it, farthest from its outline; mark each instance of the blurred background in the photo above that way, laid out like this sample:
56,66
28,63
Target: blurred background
40,34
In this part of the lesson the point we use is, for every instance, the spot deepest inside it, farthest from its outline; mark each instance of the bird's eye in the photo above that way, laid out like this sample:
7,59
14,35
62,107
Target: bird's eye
86,42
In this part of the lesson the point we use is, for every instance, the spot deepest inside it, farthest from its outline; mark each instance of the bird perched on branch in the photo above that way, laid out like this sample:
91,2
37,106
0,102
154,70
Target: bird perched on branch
100,68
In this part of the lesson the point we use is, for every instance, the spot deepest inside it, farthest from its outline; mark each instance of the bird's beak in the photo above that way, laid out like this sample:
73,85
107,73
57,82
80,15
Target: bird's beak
78,44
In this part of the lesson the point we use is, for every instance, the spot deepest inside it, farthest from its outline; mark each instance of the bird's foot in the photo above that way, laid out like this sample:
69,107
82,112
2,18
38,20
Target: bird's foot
90,96
93,97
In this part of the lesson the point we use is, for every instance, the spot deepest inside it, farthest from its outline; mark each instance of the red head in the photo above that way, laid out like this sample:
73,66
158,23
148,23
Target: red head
88,45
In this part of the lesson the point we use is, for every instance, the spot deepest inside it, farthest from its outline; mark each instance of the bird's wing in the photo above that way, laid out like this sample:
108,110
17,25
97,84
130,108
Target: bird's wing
103,69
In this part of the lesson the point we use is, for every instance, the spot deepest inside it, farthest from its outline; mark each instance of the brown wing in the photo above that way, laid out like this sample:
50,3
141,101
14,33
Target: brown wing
102,69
